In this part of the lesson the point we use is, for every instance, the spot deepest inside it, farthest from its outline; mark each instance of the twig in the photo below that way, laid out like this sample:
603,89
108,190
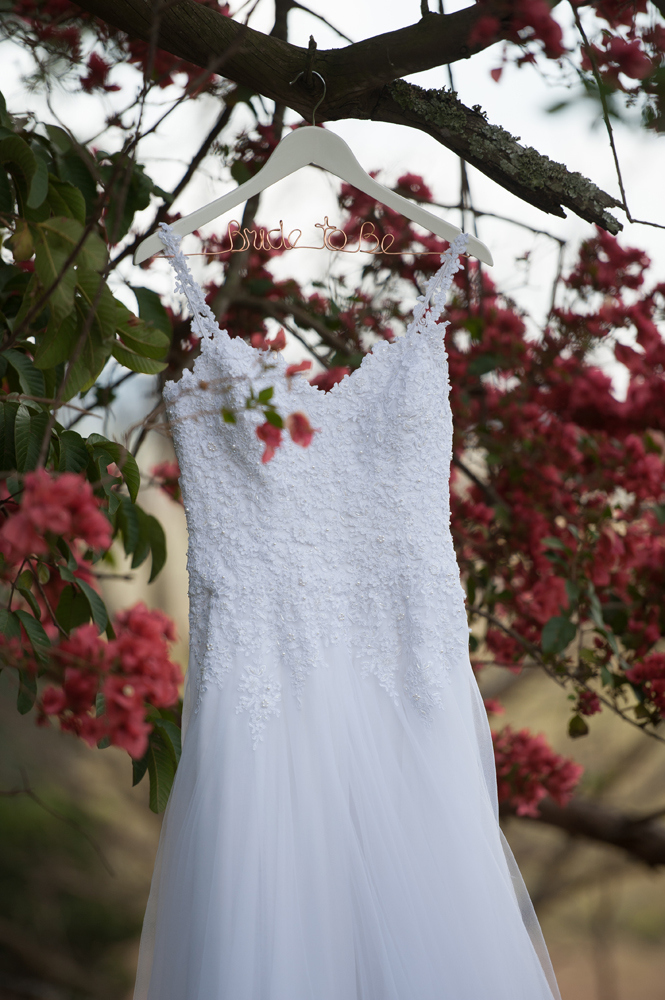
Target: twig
46,600
321,18
27,790
606,118
561,680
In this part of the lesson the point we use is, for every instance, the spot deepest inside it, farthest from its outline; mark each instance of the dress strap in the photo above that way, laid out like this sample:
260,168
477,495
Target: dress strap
431,303
203,318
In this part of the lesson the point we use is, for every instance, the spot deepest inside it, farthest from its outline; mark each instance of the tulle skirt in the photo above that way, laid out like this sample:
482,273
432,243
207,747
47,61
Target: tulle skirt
353,854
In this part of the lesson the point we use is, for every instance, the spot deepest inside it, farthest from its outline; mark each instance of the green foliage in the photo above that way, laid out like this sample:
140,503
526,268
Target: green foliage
61,326
160,761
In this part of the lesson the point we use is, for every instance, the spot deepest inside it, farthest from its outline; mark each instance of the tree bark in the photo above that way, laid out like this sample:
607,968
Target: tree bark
642,838
363,81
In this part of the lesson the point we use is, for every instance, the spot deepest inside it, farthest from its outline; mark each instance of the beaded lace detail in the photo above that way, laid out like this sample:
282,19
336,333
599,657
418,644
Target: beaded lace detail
345,544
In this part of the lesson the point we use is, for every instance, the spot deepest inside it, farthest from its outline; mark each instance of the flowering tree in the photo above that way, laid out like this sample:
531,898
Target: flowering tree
558,487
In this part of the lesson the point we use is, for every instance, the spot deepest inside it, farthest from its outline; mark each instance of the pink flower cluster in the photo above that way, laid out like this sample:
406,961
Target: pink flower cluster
528,770
650,673
166,475
524,21
588,703
263,343
52,505
297,425
132,671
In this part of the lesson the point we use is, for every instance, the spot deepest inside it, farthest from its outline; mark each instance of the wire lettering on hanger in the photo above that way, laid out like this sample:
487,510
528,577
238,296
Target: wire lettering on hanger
333,238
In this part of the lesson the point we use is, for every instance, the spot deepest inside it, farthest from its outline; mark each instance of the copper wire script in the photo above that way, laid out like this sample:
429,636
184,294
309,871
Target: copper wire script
333,238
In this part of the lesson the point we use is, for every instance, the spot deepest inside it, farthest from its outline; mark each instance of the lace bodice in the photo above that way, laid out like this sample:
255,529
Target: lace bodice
347,541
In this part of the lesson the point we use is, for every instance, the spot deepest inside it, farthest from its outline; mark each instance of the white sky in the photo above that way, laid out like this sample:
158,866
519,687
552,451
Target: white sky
517,103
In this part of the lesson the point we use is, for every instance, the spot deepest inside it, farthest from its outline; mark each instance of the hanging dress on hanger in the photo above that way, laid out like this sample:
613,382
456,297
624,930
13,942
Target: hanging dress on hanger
332,831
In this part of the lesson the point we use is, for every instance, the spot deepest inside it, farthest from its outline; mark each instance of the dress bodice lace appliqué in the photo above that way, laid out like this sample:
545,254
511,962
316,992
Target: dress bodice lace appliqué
346,543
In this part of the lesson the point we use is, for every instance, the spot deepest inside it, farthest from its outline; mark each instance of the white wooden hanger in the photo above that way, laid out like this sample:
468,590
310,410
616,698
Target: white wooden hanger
300,148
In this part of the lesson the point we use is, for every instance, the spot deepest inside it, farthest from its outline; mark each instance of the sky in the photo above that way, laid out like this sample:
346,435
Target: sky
518,103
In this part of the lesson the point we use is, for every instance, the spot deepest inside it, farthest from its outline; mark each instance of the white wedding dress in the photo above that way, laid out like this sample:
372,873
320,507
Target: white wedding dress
332,832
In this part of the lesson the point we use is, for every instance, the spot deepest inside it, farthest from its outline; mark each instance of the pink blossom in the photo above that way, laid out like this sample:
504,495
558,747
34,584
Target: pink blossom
493,706
271,437
649,673
302,366
53,505
326,380
166,475
300,429
278,342
588,703
528,770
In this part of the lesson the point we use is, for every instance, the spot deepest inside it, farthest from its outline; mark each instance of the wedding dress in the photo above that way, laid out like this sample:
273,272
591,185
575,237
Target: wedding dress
332,832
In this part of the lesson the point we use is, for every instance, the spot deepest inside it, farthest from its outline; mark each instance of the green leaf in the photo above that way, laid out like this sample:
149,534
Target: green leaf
483,363
228,416
73,452
30,378
57,239
58,342
266,395
94,253
151,309
162,766
550,542
96,296
124,459
97,607
95,352
134,361
142,550
127,520
144,340
27,691
21,243
274,418
171,735
73,608
38,425
577,727
22,435
39,184
60,139
557,634
66,200
157,540
83,374
139,768
73,169
606,676
9,624
8,413
39,640
21,162
28,596
6,194
130,194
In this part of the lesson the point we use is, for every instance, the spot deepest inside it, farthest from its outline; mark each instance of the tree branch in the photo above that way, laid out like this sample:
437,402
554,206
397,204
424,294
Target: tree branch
642,838
363,81
522,170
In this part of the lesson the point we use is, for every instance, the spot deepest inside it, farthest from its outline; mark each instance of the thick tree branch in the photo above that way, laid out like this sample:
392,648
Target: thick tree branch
522,170
267,63
642,838
363,81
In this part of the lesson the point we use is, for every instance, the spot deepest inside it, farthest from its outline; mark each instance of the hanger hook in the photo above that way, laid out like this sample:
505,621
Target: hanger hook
321,98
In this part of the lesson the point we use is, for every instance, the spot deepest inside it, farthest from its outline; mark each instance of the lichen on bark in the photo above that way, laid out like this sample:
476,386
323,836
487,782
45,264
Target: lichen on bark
500,155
